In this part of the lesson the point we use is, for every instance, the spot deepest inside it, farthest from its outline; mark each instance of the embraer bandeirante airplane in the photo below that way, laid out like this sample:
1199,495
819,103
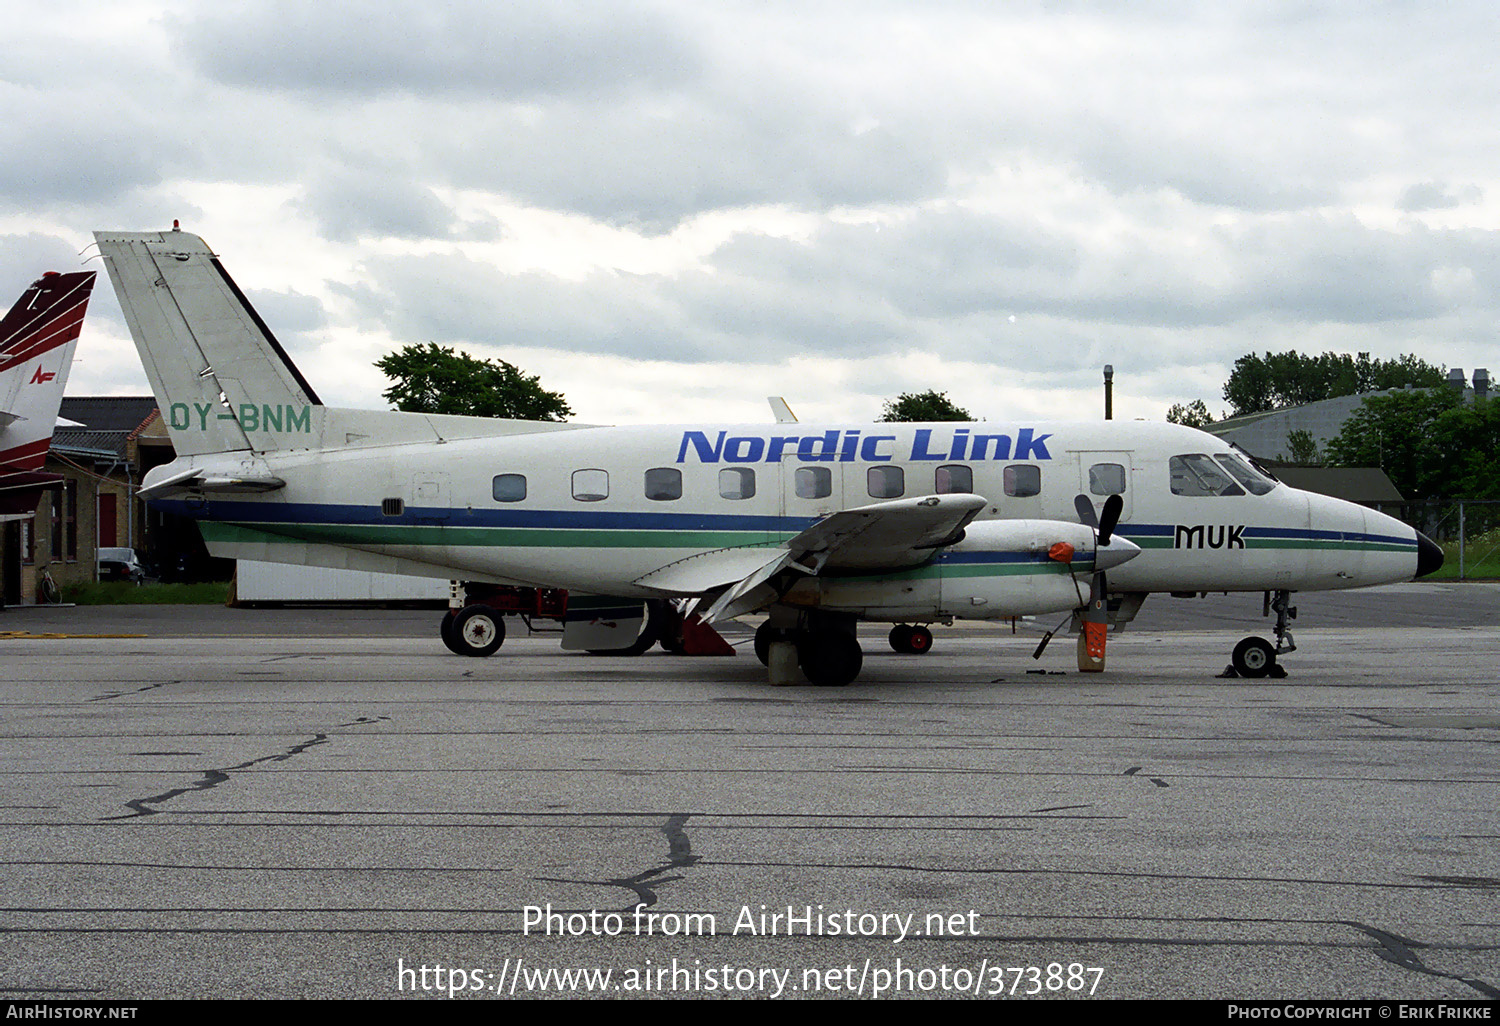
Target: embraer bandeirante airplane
819,526
37,339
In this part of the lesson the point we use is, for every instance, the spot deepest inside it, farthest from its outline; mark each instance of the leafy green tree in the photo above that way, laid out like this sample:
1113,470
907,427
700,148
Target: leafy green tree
1275,380
1303,447
430,378
1194,414
1431,443
923,406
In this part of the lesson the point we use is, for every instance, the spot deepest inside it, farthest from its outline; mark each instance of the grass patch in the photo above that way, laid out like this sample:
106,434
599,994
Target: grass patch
123,593
1481,559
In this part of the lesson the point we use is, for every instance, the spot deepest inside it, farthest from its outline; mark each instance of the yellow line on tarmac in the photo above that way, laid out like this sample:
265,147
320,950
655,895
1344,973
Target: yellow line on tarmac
20,635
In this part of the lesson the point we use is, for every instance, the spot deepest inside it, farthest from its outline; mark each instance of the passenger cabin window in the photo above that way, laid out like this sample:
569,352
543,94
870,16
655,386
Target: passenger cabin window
737,483
814,482
885,482
1251,479
1107,479
508,487
1197,475
590,485
664,484
1023,480
953,478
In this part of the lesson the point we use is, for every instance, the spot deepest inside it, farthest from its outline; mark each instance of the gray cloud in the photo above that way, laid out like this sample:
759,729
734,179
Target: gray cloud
1437,196
510,49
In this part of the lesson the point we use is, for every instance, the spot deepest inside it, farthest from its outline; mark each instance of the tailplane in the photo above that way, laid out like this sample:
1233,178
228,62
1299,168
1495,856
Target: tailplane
37,339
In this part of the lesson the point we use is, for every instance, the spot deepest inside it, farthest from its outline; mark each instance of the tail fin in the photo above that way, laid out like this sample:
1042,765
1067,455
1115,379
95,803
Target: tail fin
37,339
221,379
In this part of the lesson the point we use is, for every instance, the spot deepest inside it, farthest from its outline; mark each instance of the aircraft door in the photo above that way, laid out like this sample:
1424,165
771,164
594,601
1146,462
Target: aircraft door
1105,473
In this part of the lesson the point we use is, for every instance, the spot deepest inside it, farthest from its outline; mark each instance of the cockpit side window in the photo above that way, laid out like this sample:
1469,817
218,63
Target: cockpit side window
1246,475
1195,474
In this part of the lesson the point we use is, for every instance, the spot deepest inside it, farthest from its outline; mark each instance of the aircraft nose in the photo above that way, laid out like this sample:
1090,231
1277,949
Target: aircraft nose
1429,556
1114,552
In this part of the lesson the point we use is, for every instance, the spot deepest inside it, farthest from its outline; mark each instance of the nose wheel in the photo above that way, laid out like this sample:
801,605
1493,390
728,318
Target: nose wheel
1256,657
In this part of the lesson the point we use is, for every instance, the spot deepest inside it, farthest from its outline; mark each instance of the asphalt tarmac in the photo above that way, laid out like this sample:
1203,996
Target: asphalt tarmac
214,803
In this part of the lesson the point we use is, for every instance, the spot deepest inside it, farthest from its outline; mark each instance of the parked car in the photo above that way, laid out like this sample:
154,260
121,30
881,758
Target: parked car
120,565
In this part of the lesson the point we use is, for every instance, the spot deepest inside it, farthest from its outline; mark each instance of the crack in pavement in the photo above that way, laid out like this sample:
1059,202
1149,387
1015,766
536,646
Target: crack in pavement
211,779
679,856
1401,951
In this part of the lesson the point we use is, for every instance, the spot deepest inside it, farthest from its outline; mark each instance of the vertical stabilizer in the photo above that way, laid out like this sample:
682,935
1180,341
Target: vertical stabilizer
222,380
37,339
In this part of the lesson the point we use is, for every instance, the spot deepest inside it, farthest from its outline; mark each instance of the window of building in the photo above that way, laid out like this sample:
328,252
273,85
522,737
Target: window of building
1107,479
663,484
737,483
1023,480
955,477
814,482
885,482
508,487
590,485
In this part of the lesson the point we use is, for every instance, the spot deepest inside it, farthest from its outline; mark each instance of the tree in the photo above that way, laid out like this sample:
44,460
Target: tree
1431,443
430,378
1303,447
1275,380
1194,414
923,406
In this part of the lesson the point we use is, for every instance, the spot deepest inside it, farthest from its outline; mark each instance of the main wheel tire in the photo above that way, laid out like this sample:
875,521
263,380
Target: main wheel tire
477,631
446,630
764,635
830,659
1254,657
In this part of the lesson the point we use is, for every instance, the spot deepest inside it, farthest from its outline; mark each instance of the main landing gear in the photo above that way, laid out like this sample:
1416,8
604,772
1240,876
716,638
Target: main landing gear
824,646
1256,657
473,631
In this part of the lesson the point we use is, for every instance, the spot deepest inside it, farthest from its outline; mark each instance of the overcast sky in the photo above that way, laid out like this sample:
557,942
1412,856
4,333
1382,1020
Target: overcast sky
671,210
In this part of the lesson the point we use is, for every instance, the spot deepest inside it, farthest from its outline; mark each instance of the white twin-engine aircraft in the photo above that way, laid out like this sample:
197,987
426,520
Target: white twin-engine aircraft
818,526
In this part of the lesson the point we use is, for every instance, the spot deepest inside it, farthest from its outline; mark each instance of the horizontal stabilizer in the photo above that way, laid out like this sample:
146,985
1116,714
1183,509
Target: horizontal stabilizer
201,479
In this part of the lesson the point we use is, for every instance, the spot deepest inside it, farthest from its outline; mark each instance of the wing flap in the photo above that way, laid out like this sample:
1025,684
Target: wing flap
709,570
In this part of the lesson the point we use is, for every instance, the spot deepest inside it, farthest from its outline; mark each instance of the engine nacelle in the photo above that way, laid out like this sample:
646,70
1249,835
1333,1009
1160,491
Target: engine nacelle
1001,568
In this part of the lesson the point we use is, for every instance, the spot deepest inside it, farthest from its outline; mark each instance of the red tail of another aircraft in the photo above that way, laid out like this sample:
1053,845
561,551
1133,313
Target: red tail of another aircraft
37,339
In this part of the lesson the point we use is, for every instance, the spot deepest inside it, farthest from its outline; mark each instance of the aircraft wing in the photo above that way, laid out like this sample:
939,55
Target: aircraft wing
891,535
887,535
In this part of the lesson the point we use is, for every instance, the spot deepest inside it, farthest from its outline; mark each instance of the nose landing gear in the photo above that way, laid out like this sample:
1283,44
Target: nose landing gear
1256,657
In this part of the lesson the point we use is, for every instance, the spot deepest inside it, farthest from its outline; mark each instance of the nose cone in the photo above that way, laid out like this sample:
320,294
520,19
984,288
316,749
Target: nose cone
1429,556
1117,550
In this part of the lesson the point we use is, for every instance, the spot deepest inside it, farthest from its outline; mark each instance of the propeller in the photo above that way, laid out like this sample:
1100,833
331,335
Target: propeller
1095,617
1109,552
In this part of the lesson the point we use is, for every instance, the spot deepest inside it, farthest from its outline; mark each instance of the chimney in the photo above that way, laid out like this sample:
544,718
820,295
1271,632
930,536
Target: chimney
1456,378
1481,383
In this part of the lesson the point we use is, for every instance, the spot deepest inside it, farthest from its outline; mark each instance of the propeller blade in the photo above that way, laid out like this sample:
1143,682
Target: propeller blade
1113,506
1085,510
